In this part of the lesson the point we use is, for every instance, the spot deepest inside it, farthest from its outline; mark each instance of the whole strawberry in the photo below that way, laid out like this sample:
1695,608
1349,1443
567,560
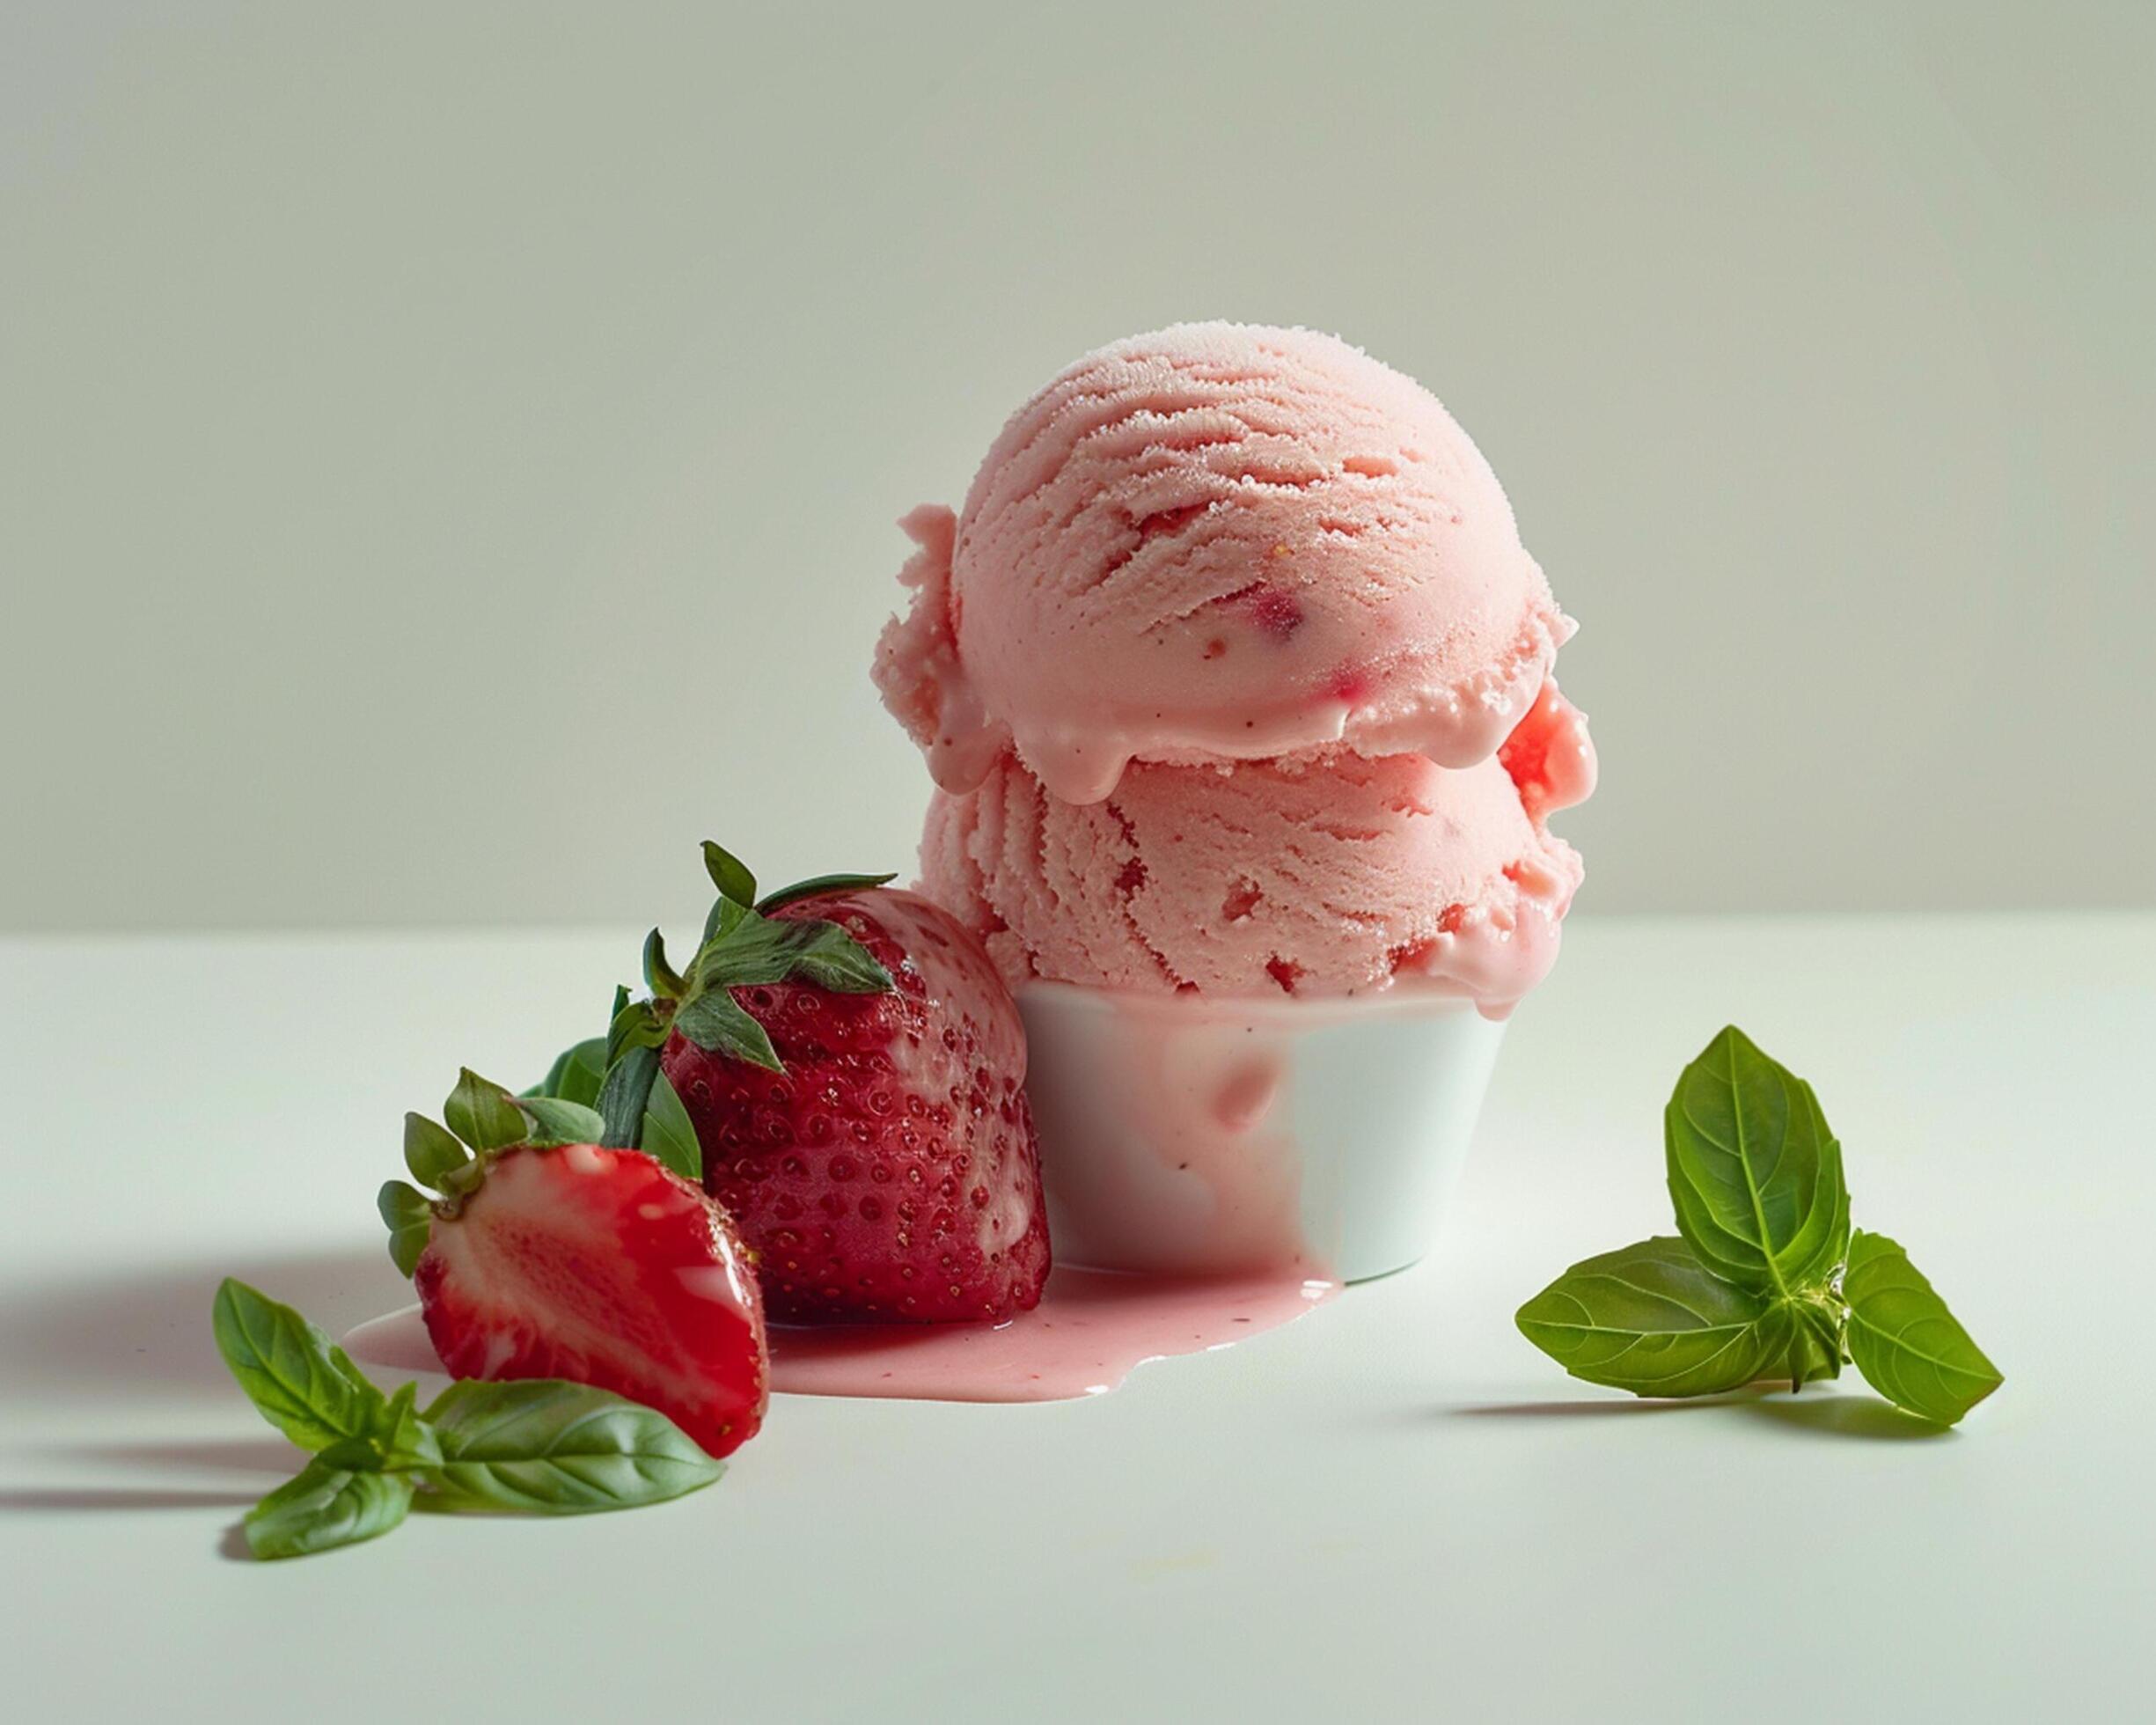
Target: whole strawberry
844,1070
547,1255
889,1171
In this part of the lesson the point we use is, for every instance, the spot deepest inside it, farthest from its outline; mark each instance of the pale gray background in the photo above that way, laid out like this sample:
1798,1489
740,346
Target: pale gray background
450,451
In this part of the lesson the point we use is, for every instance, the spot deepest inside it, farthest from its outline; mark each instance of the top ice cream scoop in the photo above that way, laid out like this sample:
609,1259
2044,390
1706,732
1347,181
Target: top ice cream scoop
1225,542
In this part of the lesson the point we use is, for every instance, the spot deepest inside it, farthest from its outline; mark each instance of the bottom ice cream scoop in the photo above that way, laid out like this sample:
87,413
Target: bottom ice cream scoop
1336,878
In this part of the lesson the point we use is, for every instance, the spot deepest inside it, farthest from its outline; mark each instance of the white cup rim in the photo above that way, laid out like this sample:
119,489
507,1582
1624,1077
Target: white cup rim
1285,1014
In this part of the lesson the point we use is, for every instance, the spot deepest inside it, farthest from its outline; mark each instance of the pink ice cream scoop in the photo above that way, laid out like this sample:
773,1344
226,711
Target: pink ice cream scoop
1220,541
1235,611
1327,878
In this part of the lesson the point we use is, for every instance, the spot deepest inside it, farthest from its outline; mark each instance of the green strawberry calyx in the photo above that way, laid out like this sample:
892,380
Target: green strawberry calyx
743,946
485,1121
611,1091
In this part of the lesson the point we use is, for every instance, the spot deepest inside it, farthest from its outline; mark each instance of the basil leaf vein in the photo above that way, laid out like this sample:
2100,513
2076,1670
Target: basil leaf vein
323,1507
1754,1172
1909,1346
1651,1318
300,1381
556,1448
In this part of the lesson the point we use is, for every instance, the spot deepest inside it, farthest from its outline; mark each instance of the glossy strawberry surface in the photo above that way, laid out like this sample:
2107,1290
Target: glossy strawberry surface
890,1173
601,1267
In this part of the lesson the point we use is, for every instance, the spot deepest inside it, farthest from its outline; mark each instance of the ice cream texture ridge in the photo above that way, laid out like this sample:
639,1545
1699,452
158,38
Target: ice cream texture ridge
1234,678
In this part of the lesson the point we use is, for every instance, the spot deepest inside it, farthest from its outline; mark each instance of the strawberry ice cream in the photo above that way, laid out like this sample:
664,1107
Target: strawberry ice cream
1235,680
1219,542
1234,677
1336,877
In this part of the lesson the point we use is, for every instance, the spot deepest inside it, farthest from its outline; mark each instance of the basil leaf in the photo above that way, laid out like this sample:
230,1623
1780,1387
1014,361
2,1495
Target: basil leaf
1754,1172
352,1454
809,889
1651,1318
410,1218
299,1380
482,1114
730,874
721,1023
429,1152
668,1135
628,1093
558,1449
322,1508
1909,1346
781,950
403,1440
576,1073
557,1122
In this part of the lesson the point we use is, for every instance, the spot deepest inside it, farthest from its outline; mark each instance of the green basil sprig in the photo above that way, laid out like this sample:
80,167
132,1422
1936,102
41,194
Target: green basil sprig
1767,1279
537,1445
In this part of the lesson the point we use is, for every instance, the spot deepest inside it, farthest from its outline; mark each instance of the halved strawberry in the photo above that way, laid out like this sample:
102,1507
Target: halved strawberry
573,1260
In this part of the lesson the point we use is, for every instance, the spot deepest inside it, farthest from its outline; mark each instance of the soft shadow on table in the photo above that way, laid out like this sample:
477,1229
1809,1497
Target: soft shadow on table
1850,1416
267,1454
134,1500
146,1334
118,1497
1829,1414
1610,1408
131,1343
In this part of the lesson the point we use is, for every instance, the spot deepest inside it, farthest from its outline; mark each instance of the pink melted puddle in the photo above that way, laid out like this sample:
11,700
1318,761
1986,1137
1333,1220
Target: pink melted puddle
1090,1331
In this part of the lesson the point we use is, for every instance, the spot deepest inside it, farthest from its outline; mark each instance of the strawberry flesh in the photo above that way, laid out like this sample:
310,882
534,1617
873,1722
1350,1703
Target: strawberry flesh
601,1267
891,1173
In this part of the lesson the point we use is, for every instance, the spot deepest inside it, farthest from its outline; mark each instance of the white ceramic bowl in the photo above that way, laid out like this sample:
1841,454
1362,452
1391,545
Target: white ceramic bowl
1191,1136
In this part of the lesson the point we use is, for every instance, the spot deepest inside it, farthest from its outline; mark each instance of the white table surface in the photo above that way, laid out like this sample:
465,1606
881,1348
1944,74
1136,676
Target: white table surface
1394,1509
